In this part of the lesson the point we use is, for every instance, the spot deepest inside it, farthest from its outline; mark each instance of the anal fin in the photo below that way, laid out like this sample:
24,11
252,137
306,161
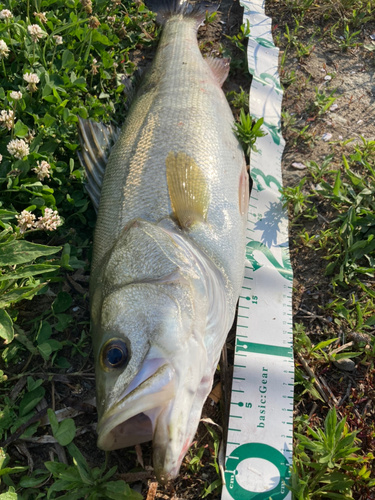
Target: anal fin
188,189
219,67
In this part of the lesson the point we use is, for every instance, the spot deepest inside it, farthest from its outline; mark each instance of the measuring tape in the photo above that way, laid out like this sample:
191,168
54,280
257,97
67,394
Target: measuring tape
260,433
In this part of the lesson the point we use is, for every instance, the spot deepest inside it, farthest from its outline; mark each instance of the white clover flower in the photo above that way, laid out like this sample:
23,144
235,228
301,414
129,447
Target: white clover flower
1,158
111,19
35,32
30,136
32,80
42,170
7,119
18,148
6,14
31,77
50,221
94,61
25,220
115,65
41,16
87,6
58,39
15,95
4,50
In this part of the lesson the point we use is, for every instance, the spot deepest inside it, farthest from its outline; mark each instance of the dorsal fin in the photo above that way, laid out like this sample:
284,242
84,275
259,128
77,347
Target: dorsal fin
131,85
96,141
219,67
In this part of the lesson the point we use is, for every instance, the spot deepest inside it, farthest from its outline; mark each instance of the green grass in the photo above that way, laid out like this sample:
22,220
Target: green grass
326,464
348,244
331,212
78,54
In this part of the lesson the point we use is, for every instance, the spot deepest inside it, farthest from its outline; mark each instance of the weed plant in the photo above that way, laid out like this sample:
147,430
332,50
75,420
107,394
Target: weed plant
59,60
331,211
345,194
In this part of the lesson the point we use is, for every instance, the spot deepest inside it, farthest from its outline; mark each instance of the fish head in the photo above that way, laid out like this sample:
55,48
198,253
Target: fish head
153,370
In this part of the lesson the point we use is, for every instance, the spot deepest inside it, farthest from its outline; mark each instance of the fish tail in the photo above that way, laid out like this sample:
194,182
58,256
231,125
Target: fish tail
166,9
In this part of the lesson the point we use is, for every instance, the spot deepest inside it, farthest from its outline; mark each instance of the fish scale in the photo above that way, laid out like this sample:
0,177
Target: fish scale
139,186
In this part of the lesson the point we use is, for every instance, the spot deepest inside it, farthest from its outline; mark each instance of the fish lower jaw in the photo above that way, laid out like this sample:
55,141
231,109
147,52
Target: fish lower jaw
167,470
135,430
132,420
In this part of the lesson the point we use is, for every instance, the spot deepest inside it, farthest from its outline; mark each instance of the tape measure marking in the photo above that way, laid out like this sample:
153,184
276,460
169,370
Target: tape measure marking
259,447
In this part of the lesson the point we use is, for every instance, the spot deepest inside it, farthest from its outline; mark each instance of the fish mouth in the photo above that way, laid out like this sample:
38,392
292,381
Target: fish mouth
132,419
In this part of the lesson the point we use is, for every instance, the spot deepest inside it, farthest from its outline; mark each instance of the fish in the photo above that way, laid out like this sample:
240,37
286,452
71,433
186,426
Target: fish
172,192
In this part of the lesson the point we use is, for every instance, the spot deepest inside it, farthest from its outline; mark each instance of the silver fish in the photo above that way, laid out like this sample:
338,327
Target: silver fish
169,246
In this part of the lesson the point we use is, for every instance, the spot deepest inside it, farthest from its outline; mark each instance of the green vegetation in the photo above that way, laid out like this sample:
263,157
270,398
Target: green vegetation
325,464
345,195
331,211
59,60
348,244
248,130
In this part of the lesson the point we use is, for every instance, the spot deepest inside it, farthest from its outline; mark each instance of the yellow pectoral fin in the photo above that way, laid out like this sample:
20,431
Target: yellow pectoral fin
188,189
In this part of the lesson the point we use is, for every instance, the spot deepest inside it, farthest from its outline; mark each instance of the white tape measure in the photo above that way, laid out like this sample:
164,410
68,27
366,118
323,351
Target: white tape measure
260,433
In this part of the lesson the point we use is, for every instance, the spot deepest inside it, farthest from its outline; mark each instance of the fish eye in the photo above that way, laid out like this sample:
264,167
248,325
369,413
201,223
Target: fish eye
114,354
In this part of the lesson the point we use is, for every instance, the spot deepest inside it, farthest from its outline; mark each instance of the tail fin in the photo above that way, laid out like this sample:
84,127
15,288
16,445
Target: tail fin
168,8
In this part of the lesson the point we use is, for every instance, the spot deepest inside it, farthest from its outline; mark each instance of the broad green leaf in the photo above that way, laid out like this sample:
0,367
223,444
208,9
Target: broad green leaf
6,215
55,467
44,333
24,340
47,90
323,344
66,432
81,463
75,495
48,120
63,322
12,470
55,80
62,362
30,431
370,321
6,327
33,482
71,474
21,251
33,384
99,37
45,350
20,129
27,271
25,292
54,344
211,487
345,355
336,187
68,59
53,421
30,400
63,485
62,302
49,147
119,490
